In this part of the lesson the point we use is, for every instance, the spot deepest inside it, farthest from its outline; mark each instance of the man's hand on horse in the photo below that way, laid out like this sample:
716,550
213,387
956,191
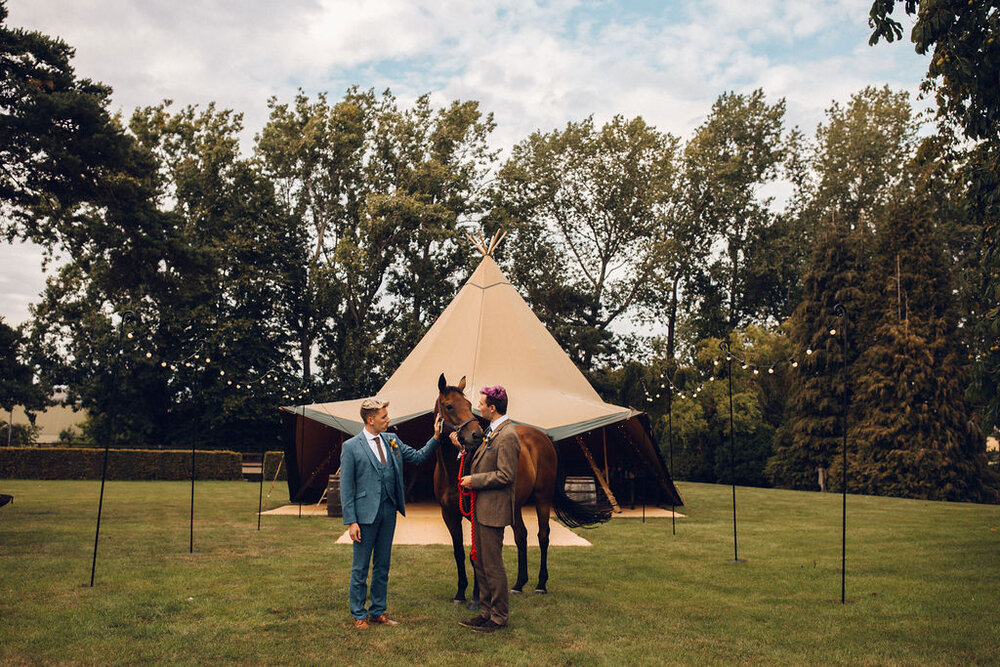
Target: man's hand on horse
465,482
438,425
454,439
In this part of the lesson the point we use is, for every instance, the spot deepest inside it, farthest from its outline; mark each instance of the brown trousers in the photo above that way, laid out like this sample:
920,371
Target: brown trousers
491,573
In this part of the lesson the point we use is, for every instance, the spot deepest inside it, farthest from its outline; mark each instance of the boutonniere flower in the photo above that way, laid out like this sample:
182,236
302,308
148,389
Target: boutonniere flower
392,442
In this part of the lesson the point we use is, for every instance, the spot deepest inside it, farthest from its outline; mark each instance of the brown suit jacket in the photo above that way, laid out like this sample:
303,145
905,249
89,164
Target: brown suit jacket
492,475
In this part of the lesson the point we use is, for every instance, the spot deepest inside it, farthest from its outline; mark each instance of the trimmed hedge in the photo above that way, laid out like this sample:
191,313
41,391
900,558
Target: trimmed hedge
123,464
271,460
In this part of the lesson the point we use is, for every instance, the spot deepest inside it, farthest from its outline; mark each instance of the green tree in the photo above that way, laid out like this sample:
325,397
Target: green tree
811,434
378,194
206,313
913,434
963,40
857,157
589,214
18,385
737,151
70,173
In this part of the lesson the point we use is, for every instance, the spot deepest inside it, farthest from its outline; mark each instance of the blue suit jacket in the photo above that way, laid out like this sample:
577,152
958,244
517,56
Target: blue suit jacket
360,486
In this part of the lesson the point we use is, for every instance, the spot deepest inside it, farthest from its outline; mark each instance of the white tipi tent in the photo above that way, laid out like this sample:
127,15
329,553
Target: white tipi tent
488,334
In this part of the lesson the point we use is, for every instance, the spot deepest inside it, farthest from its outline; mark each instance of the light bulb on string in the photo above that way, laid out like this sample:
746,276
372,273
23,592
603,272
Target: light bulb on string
833,332
230,383
795,364
149,355
770,371
809,351
163,364
222,372
207,360
129,335
756,371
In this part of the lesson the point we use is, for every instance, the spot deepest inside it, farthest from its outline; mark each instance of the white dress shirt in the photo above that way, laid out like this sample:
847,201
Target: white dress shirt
496,422
374,445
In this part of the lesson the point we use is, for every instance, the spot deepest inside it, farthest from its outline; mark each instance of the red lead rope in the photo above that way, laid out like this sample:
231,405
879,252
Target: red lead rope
471,514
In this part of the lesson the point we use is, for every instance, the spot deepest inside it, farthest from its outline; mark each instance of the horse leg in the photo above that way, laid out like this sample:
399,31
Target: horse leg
542,509
453,520
521,540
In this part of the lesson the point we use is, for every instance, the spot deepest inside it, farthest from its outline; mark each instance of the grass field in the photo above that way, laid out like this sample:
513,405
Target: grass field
923,585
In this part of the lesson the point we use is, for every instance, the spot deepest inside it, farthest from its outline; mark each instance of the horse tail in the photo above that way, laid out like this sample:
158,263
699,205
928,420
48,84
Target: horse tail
574,513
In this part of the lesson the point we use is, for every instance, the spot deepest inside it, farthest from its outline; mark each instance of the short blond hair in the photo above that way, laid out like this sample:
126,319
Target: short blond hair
371,407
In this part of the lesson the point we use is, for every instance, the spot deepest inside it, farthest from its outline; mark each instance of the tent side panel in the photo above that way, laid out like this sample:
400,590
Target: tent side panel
312,453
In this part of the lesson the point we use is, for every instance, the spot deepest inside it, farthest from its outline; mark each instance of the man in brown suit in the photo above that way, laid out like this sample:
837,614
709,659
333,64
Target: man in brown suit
491,476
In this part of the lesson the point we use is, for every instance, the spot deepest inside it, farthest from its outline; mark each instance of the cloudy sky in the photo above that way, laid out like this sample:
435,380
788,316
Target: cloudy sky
534,64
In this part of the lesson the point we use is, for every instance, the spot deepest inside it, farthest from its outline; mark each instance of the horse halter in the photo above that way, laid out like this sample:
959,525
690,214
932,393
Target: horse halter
440,410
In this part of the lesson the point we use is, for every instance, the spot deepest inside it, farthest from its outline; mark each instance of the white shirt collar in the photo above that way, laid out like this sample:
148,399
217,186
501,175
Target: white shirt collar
496,422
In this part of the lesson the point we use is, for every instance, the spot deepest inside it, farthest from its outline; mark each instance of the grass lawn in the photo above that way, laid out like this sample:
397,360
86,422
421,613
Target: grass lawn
923,585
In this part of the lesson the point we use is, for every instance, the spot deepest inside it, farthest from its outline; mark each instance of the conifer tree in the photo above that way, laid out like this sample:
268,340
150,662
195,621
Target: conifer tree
812,435
913,434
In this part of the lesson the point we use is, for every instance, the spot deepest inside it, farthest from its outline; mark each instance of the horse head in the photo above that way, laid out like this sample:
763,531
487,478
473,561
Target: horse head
456,413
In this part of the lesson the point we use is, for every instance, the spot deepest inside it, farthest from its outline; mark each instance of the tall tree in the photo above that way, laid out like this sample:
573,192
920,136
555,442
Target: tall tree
811,435
69,172
913,429
589,210
963,39
378,193
857,156
734,154
210,287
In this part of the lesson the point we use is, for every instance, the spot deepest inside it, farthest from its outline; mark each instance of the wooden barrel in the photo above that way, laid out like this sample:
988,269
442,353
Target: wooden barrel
582,490
333,507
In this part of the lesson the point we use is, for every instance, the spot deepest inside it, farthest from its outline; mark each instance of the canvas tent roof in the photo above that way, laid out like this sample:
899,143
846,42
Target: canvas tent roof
490,335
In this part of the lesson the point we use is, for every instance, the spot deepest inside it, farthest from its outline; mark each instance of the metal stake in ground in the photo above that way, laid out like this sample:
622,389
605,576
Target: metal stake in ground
841,312
112,427
670,439
732,440
191,545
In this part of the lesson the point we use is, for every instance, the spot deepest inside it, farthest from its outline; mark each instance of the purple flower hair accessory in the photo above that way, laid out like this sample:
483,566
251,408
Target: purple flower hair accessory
496,392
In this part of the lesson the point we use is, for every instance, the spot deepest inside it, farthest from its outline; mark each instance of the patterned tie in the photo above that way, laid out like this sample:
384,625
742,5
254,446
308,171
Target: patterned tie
381,454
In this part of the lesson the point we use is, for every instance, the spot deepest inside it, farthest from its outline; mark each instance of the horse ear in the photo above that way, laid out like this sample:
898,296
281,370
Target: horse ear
461,384
442,383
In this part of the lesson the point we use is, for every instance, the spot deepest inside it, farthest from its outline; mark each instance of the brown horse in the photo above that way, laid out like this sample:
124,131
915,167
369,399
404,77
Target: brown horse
538,480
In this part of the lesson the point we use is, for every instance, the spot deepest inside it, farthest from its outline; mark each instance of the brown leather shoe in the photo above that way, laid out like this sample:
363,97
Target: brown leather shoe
361,623
473,622
383,620
488,626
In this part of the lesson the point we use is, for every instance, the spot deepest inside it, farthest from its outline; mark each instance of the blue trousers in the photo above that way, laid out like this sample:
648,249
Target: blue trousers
375,548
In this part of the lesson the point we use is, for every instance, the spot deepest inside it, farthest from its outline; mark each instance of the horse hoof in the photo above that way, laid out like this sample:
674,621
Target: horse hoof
473,606
457,601
515,591
541,591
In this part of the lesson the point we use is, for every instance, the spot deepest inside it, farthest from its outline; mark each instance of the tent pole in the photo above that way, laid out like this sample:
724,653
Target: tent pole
597,473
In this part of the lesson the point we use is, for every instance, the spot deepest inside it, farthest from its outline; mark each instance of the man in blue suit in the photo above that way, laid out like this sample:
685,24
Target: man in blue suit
371,492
